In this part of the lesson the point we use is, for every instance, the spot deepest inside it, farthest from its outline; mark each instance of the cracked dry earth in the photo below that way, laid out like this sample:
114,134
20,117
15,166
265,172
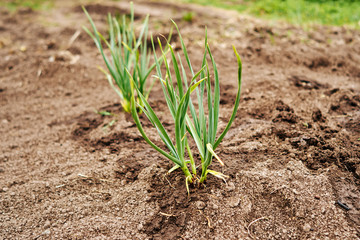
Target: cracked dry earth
292,152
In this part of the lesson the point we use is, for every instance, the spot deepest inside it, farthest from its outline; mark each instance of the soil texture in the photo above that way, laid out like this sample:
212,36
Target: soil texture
292,154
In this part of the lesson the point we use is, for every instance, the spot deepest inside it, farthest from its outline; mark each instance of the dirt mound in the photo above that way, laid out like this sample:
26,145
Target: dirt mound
292,154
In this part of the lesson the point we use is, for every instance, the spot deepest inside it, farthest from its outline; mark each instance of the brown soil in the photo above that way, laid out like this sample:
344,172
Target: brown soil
292,152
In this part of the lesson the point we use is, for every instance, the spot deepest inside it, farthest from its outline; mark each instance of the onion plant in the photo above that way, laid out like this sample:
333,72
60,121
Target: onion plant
199,122
128,54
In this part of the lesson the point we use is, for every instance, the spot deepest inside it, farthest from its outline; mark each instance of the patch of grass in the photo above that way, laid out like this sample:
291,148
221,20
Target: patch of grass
188,16
33,4
328,12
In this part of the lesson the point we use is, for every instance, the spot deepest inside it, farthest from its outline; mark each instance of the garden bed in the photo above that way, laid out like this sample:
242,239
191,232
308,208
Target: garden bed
292,153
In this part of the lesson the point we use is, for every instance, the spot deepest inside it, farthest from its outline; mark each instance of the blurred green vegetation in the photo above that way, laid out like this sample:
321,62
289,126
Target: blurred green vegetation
328,12
12,5
188,16
302,12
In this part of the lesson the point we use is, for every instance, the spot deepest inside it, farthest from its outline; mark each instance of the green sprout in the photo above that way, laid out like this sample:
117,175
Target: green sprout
201,124
128,54
188,16
111,123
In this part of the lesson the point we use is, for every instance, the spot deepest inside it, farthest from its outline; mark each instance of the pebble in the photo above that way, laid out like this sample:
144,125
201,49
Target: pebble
47,224
200,205
307,227
140,226
300,213
230,187
250,146
46,232
234,201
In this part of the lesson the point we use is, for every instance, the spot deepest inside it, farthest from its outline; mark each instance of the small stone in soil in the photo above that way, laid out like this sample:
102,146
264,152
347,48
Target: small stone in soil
230,187
140,226
214,206
200,205
47,224
46,232
234,201
307,227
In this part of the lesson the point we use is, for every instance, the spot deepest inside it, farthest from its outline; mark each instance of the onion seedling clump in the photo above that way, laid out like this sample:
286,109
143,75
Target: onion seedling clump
128,54
199,122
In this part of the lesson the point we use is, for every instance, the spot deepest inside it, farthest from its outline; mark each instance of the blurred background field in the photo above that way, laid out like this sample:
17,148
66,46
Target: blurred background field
301,12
